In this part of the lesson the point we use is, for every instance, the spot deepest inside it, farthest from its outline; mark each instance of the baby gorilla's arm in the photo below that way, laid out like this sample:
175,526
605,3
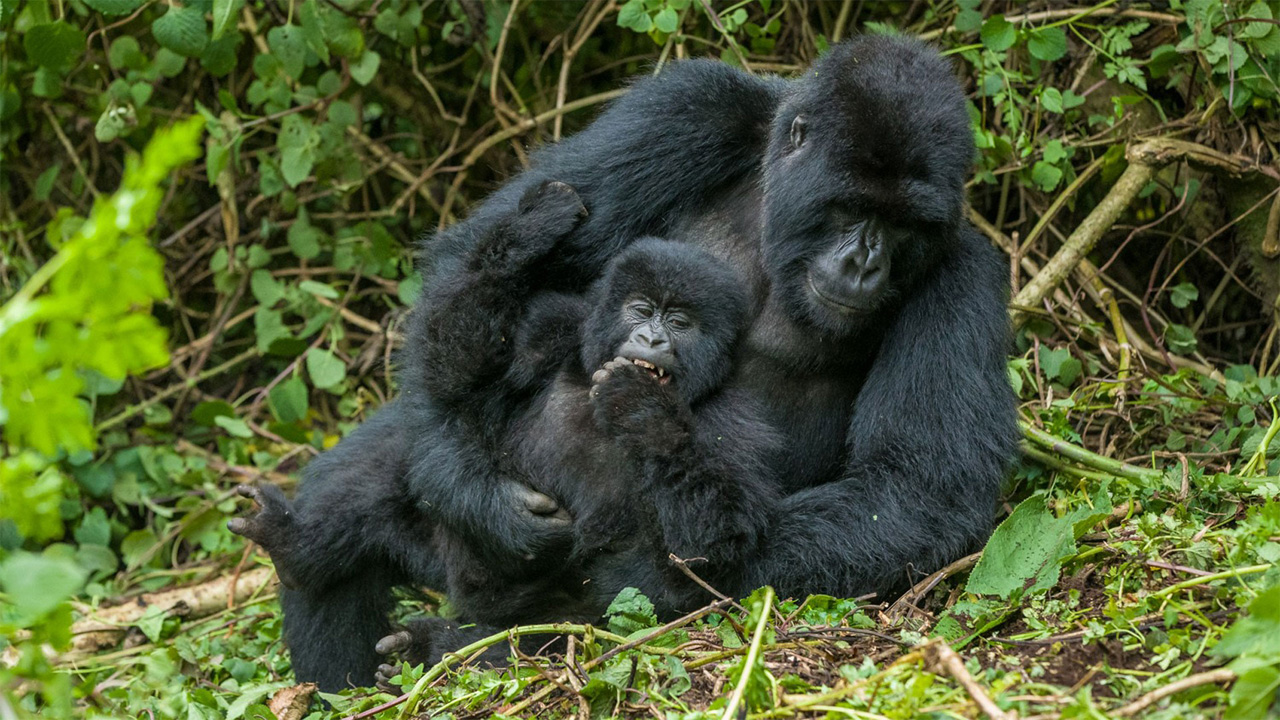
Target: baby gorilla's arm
705,472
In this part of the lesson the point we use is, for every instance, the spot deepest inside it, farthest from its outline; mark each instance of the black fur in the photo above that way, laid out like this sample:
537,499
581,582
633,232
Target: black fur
889,387
647,464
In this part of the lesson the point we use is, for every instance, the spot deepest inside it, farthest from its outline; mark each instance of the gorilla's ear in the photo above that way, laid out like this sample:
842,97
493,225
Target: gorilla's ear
799,126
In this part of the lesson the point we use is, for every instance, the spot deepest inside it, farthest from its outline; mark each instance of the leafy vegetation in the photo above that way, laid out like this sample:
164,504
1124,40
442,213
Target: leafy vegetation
206,226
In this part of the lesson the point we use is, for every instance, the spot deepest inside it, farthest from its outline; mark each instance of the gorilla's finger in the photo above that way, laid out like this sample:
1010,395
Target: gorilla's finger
539,504
239,526
599,376
393,643
248,491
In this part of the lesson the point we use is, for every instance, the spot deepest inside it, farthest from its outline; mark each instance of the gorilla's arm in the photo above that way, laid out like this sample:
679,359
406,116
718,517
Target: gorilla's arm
463,336
930,437
703,469
655,155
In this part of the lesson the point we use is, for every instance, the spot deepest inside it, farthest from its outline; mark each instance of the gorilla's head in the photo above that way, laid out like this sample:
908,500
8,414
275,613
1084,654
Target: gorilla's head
864,180
671,308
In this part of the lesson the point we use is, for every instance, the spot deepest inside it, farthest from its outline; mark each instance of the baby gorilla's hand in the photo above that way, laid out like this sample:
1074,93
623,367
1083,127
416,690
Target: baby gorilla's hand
637,410
271,527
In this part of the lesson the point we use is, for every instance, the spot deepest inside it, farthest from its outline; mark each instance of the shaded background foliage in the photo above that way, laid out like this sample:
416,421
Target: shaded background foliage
246,320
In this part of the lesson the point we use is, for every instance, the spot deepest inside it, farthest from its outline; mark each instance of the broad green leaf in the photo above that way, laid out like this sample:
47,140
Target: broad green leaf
1046,175
36,584
631,611
1183,294
1048,44
290,49
304,239
1057,364
1024,553
1256,634
181,30
288,400
224,15
968,20
233,425
266,288
318,288
1256,30
998,34
325,369
666,20
633,15
55,46
363,70
1180,339
1051,99
114,7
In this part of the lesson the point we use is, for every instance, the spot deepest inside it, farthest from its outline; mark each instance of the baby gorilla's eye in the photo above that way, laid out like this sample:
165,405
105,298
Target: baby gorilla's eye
641,309
679,322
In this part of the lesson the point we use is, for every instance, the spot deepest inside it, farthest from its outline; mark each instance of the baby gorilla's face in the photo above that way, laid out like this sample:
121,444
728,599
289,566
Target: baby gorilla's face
656,333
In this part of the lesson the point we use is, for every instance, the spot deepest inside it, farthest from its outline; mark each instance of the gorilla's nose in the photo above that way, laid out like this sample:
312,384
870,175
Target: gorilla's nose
854,273
651,339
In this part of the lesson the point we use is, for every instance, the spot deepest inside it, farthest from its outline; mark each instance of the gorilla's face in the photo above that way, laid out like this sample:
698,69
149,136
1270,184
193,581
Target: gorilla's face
670,308
660,333
863,182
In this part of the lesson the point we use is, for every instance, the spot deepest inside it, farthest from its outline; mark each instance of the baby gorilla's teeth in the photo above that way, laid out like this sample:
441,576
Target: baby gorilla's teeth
662,371
644,364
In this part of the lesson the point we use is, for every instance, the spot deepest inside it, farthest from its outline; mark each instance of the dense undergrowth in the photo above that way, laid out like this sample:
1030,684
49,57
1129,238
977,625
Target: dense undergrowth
223,306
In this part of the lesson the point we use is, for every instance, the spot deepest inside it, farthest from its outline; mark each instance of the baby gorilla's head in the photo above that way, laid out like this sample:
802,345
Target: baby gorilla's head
670,308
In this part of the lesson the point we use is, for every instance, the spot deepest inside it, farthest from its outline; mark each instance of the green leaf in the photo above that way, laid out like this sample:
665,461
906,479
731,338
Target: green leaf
968,20
409,288
1256,30
296,164
288,400
325,369
1180,339
234,425
320,289
1025,552
631,611
634,16
125,53
363,70
304,239
998,34
224,15
1045,175
36,584
114,7
55,46
289,47
1183,294
181,30
1057,364
265,288
1051,100
1047,44
1254,694
667,20
1258,633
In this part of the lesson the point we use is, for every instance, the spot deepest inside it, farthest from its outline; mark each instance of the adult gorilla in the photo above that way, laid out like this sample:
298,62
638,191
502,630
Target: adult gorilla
878,348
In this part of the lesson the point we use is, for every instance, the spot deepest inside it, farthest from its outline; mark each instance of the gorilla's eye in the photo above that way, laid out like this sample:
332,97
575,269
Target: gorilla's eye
641,309
679,322
798,127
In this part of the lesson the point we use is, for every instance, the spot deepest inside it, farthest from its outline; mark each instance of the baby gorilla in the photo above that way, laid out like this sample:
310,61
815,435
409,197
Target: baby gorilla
620,417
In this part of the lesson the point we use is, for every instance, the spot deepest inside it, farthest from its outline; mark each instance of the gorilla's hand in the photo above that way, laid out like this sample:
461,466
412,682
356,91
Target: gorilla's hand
537,525
546,213
634,408
272,527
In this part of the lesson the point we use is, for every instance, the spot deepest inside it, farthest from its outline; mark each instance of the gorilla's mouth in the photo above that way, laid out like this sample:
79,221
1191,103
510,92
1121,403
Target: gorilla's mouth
660,373
837,305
